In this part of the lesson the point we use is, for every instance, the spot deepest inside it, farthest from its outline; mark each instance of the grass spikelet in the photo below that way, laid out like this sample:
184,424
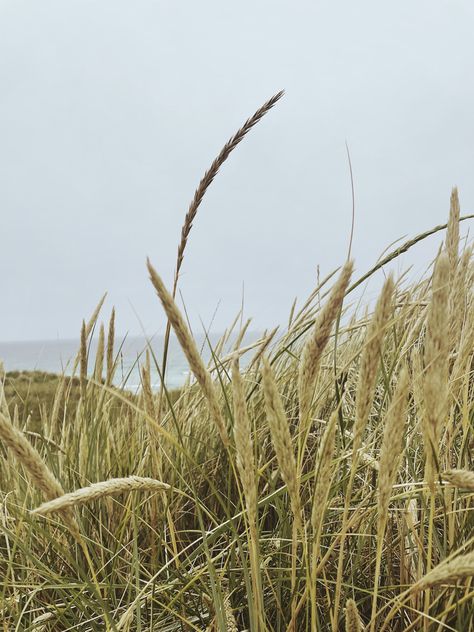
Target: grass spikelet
464,479
324,471
281,439
95,315
435,383
147,389
465,351
458,298
452,233
99,356
40,474
317,341
246,468
392,447
370,360
191,352
213,170
100,490
460,567
199,194
244,444
231,623
110,349
353,621
369,364
83,359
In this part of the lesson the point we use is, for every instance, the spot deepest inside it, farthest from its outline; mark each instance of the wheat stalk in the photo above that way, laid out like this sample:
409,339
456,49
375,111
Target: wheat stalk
370,360
435,383
100,490
460,567
83,359
191,352
452,233
353,621
464,479
99,356
281,439
244,444
392,447
324,470
213,170
204,184
110,349
31,460
317,341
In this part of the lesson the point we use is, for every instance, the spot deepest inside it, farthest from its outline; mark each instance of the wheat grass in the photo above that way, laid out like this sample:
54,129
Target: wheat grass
40,474
392,447
110,349
370,361
191,352
452,233
281,438
317,341
435,382
99,357
100,490
353,621
464,479
460,567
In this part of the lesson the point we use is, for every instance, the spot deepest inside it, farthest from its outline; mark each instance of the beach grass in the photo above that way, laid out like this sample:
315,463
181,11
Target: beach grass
302,492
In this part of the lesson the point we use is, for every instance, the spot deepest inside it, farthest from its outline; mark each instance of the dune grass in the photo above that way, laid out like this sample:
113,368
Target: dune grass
304,492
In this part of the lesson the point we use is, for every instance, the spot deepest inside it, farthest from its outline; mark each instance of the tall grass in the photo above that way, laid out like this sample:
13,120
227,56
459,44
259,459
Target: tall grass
304,492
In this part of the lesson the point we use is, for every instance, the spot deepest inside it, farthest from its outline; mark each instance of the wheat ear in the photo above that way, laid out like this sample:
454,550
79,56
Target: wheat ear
460,567
353,621
452,233
110,349
392,447
213,170
83,360
324,471
244,444
99,356
281,438
370,360
191,352
435,383
317,341
100,490
31,460
464,479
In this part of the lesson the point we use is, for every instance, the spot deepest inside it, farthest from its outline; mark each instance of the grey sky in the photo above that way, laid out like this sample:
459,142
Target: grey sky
110,112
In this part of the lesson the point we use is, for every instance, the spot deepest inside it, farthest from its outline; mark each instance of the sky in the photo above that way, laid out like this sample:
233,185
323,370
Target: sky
111,111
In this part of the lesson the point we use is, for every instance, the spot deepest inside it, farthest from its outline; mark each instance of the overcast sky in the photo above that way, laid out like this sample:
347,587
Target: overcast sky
110,112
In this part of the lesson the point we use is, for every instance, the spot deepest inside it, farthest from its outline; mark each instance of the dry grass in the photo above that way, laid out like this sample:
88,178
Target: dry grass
284,490
100,490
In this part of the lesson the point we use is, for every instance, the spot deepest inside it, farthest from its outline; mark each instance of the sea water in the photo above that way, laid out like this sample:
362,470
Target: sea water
57,356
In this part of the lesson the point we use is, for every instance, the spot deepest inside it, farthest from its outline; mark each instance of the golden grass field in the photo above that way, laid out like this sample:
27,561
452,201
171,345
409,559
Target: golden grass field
328,485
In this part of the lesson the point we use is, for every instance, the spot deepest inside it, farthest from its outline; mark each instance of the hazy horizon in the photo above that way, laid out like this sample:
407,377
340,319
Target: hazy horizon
112,111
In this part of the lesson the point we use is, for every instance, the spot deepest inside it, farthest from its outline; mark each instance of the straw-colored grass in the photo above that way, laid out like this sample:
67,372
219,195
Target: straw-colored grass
326,484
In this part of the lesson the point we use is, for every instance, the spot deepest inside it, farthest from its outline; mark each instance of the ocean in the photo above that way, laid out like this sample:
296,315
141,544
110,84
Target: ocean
57,356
